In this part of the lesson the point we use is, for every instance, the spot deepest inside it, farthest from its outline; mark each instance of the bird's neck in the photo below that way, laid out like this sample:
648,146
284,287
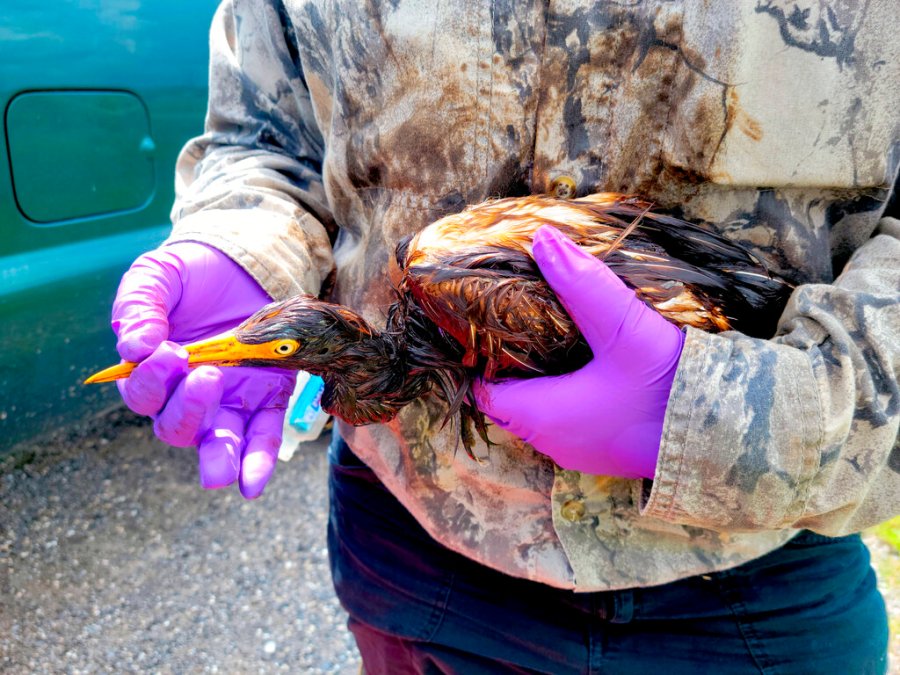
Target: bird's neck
369,381
370,378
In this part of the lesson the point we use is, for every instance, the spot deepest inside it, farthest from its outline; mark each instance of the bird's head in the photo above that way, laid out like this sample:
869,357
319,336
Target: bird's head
301,333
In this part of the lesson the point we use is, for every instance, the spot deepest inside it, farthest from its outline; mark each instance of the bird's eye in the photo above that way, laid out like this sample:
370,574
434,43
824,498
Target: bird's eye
286,348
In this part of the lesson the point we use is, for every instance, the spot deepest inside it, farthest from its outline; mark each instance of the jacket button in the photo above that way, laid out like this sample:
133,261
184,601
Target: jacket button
573,510
563,187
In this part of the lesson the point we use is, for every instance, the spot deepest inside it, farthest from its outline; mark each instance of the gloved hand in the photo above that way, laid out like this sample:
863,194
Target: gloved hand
185,292
607,417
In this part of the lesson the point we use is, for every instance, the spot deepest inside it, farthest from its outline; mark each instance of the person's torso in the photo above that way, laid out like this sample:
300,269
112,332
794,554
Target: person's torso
772,121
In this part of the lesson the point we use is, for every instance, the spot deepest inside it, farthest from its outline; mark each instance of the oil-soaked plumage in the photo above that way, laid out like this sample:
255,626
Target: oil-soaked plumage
471,301
472,273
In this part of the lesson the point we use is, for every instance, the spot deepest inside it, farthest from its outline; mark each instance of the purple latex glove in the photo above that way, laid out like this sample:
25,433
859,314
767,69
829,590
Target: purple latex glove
607,417
184,292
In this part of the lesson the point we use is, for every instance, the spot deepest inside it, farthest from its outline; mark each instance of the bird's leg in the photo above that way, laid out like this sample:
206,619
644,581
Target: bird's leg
478,420
466,420
470,417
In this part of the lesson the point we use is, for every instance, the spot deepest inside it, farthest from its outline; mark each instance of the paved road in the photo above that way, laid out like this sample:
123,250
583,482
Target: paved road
112,559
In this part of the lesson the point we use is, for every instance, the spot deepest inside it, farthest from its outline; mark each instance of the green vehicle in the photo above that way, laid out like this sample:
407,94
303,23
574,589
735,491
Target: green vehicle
97,99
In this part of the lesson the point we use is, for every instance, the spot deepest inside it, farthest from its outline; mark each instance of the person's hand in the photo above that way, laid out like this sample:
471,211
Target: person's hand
607,417
184,292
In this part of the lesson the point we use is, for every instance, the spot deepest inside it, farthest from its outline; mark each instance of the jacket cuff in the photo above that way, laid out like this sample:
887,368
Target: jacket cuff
739,442
285,256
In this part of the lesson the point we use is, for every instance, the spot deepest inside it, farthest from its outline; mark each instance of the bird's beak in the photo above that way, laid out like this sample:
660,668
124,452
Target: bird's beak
222,350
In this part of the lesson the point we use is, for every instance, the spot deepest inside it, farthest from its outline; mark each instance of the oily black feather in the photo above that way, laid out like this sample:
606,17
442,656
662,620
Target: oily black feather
721,272
715,266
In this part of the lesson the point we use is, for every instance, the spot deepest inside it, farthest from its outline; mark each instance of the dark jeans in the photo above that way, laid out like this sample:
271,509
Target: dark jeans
416,607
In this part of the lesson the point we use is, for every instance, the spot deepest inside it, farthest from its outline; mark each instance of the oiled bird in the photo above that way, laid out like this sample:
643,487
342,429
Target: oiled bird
471,302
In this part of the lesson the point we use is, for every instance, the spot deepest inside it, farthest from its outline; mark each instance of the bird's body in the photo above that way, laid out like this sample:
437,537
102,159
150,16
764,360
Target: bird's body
472,273
471,302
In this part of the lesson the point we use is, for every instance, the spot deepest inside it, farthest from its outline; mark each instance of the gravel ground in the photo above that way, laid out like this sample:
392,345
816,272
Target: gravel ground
112,559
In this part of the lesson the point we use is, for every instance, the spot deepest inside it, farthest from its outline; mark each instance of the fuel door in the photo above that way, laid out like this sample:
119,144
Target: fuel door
76,154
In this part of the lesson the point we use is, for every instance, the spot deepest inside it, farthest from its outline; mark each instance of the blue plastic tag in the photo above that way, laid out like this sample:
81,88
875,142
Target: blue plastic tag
308,405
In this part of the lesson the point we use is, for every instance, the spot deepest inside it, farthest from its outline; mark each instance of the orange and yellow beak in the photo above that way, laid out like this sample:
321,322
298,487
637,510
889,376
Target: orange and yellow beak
222,350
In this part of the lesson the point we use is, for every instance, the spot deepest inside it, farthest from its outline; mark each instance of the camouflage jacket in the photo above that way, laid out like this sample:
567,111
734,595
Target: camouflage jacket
334,129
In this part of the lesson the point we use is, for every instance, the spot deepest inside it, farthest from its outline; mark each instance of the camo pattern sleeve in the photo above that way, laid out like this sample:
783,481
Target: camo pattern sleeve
251,185
799,431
